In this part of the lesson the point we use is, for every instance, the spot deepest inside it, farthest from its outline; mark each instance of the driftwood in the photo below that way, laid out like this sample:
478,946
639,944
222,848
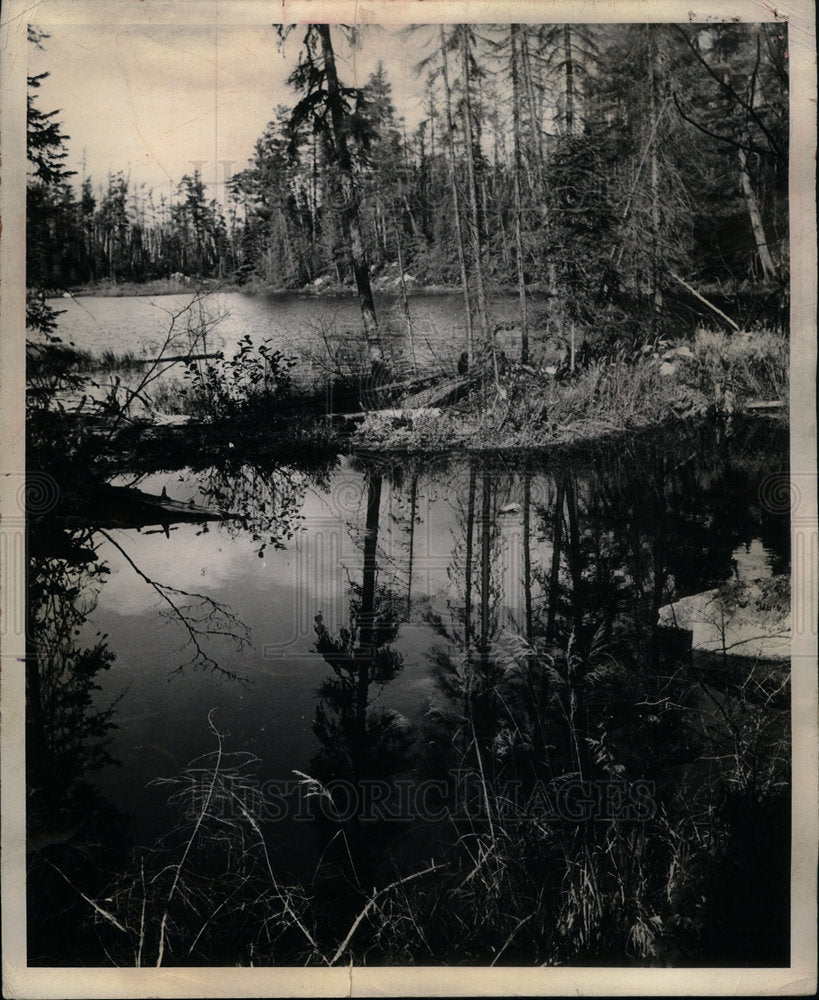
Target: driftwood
448,391
764,404
397,413
428,400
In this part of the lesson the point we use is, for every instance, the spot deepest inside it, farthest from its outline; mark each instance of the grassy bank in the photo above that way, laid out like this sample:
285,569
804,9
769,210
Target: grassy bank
715,373
260,392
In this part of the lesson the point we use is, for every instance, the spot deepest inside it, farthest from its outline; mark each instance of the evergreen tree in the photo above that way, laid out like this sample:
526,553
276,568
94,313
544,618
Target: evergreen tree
335,113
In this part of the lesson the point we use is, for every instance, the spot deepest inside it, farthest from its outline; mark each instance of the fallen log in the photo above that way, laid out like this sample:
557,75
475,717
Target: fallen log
764,404
449,391
176,357
703,299
396,413
106,506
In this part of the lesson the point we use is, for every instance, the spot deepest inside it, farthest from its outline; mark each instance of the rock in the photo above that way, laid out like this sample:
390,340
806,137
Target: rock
667,368
679,352
734,619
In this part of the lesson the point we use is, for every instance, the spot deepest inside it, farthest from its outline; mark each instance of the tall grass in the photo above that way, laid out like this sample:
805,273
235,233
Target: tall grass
717,372
753,364
83,361
512,880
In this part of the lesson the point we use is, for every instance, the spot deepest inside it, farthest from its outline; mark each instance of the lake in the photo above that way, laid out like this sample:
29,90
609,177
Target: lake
333,629
295,322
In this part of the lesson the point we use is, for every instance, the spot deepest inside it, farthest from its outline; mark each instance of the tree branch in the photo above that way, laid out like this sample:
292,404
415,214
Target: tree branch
230,629
721,138
731,92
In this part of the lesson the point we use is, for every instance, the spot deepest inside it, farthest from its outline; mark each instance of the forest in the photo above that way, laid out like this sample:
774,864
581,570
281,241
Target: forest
616,169
448,452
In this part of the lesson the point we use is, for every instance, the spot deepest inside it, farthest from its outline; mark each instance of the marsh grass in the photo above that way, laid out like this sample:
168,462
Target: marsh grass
508,882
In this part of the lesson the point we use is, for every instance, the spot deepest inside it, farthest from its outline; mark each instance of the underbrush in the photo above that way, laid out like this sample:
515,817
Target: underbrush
717,373
753,364
260,388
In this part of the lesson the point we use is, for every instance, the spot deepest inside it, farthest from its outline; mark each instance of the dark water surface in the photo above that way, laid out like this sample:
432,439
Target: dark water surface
435,564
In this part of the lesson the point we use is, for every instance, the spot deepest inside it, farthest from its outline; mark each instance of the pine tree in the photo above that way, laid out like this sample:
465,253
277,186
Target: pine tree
334,111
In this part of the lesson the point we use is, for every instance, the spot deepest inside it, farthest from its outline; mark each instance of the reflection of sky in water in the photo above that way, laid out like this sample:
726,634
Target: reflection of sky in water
162,718
752,561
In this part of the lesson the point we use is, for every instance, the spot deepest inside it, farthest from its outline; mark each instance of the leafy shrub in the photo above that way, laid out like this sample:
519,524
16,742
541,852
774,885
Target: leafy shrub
254,378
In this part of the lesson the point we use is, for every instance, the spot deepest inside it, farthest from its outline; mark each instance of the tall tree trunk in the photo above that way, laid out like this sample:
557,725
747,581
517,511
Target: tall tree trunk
761,240
575,559
568,60
534,116
431,114
349,212
656,292
413,513
456,205
577,669
366,622
313,193
658,557
416,232
475,234
405,309
536,188
486,556
524,319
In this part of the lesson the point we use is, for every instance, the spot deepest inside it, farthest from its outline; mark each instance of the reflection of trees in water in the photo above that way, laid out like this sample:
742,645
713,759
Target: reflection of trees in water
361,742
75,837
265,499
615,538
586,688
357,740
578,687
61,675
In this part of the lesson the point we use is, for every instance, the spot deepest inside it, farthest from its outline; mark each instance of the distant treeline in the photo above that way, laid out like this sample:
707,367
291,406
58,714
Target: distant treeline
605,164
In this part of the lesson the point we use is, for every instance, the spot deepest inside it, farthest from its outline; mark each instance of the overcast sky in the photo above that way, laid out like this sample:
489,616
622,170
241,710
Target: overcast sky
158,99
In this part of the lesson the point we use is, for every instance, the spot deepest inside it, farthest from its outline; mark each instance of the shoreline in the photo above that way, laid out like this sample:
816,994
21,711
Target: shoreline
167,286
